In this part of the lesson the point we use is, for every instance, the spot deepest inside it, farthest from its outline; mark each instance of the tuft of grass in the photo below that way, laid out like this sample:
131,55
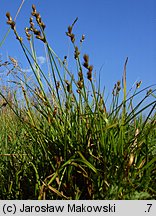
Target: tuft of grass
61,140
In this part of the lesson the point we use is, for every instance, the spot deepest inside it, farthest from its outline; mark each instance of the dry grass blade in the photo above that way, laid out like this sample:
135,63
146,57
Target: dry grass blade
18,11
54,191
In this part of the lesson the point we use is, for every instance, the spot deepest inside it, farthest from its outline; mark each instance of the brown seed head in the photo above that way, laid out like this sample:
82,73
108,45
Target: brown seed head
12,24
64,60
77,53
58,85
80,74
43,25
149,92
89,75
85,64
138,84
41,38
38,16
90,68
118,89
86,58
34,8
80,84
78,91
33,13
31,23
10,21
37,32
27,33
31,19
69,88
69,30
8,16
118,83
72,38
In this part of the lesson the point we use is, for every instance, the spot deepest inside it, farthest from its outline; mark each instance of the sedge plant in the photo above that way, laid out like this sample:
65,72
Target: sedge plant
69,143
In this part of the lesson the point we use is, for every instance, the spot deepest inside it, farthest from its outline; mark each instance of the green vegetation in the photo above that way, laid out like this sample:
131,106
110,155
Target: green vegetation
60,139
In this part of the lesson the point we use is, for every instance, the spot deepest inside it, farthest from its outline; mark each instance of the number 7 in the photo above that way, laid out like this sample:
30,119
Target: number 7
150,205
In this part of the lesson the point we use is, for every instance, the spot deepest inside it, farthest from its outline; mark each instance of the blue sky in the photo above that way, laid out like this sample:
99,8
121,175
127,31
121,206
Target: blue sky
114,30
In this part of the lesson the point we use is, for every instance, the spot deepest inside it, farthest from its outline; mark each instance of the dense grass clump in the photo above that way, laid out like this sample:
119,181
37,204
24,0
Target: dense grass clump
60,140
